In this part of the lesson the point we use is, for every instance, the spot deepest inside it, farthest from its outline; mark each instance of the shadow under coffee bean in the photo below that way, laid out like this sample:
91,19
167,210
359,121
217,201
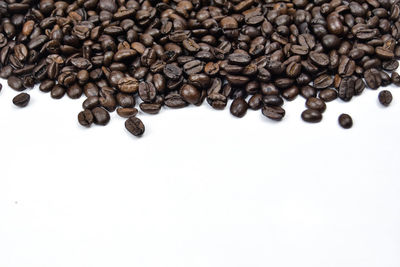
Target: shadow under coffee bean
137,57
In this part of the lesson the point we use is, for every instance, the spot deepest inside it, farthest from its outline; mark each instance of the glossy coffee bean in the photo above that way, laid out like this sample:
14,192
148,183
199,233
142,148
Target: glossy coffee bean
85,118
135,126
385,98
101,116
21,100
239,107
311,115
345,121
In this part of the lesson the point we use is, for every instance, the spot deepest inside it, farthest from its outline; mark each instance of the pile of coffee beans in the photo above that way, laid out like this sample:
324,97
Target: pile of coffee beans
125,55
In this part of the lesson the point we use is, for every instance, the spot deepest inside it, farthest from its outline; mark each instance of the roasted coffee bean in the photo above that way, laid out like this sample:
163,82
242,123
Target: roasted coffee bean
274,113
101,116
125,100
21,100
239,107
272,100
256,102
135,126
150,108
85,118
190,94
316,104
174,100
46,86
147,91
323,81
57,92
311,115
345,121
385,98
346,89
217,101
127,112
328,95
308,91
172,71
15,83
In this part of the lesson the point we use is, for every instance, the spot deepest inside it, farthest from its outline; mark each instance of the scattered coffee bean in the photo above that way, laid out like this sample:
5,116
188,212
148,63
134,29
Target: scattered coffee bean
21,100
134,126
345,121
385,98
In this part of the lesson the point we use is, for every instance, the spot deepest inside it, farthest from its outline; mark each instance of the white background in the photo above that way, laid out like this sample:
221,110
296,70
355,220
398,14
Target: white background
200,188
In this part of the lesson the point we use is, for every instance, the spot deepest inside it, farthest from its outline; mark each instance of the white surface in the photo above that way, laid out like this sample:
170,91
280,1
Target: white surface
201,188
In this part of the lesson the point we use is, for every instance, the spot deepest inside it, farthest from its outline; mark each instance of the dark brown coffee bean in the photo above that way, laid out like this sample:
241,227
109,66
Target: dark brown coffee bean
272,100
308,91
291,93
256,102
150,108
15,83
125,100
21,100
190,94
239,107
346,89
127,112
328,95
174,100
316,104
172,71
85,118
147,91
385,98
217,101
323,81
57,92
274,113
345,121
101,116
135,126
311,115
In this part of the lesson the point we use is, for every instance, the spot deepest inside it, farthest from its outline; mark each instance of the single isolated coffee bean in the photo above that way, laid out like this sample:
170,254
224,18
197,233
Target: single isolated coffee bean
385,98
345,121
21,100
135,126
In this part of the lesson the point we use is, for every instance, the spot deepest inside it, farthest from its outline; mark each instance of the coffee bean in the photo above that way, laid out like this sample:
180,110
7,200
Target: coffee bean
316,104
172,71
239,107
85,118
127,112
328,95
101,116
385,98
147,91
150,108
135,126
345,121
21,100
311,115
256,102
15,83
274,113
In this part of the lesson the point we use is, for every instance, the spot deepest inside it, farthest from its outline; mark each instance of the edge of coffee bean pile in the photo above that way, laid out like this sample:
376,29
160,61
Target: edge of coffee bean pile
133,55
